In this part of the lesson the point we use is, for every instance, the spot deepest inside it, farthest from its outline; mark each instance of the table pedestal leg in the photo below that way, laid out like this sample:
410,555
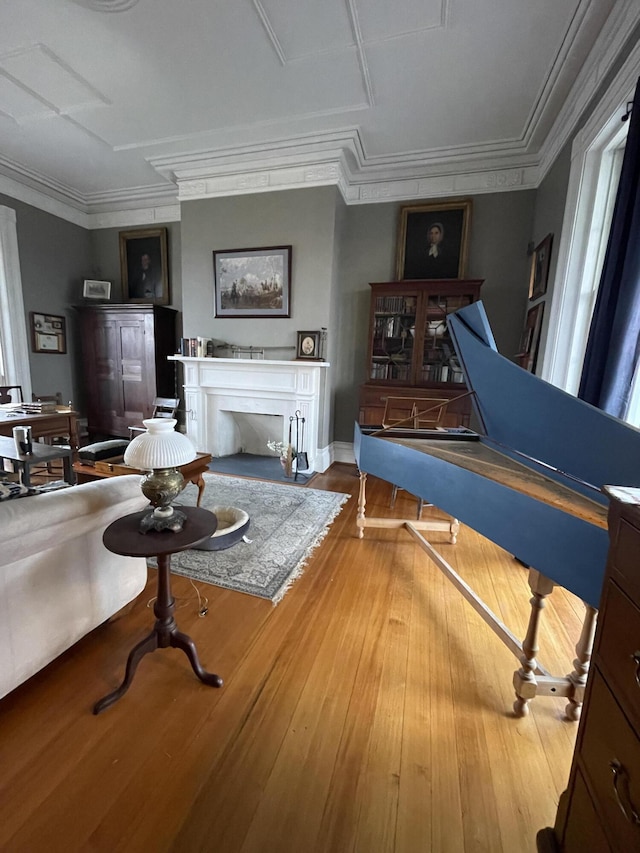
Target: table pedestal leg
165,633
149,644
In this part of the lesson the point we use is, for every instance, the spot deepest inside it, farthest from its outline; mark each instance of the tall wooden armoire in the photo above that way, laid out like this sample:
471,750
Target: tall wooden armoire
125,349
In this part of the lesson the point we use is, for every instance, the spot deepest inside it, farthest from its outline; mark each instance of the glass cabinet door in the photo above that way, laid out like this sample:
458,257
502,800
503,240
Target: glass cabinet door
393,329
439,360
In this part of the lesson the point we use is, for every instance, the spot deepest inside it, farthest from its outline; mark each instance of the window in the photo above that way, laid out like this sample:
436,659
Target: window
593,183
14,349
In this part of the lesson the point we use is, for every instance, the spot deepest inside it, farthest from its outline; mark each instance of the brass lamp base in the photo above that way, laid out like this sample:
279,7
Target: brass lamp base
157,520
161,486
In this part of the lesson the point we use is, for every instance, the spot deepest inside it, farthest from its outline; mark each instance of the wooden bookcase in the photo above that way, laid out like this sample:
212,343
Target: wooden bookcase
410,354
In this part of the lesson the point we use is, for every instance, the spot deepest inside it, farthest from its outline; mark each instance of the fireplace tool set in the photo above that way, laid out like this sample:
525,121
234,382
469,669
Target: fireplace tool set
299,457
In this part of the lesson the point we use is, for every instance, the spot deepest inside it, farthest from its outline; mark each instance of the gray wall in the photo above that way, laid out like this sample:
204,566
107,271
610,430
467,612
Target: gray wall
337,251
105,253
55,258
500,231
303,219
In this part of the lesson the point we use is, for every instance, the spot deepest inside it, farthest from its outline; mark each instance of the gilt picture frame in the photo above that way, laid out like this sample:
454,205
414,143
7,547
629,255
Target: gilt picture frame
539,275
530,343
252,282
433,240
144,266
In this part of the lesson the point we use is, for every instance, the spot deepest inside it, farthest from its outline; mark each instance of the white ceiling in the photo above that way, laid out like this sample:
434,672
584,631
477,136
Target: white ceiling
153,101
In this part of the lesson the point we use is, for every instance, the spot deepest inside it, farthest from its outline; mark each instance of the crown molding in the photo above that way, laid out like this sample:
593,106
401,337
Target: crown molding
338,158
608,47
42,199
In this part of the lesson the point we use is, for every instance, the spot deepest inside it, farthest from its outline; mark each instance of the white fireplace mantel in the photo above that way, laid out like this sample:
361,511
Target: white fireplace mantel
214,387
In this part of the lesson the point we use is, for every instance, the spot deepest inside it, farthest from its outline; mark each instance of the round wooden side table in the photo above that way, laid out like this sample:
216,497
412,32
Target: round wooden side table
123,537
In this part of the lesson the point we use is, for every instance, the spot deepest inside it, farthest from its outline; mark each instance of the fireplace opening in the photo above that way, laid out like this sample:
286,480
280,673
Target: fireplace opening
248,432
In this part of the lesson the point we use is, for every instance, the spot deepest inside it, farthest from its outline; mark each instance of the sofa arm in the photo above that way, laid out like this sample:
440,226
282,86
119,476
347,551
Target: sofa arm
34,523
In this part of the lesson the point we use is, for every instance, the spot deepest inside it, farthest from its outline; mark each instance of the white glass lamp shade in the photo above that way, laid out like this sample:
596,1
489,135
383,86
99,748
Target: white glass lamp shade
160,447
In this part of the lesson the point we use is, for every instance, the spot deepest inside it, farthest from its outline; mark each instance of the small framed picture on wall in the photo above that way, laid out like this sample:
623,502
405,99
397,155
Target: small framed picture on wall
48,333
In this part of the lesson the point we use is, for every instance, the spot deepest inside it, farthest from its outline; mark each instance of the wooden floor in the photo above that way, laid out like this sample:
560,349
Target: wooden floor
369,711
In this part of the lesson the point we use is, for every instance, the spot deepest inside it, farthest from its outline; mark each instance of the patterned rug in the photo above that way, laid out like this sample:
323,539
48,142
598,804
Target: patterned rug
287,523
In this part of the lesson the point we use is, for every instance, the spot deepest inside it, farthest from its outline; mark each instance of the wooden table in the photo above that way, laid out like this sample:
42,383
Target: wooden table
40,455
192,471
123,537
64,421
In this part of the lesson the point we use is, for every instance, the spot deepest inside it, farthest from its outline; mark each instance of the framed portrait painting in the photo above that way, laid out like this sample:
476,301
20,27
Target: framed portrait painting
433,239
540,268
144,266
252,282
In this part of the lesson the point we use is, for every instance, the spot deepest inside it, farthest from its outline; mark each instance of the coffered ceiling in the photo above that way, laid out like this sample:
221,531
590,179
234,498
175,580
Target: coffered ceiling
131,105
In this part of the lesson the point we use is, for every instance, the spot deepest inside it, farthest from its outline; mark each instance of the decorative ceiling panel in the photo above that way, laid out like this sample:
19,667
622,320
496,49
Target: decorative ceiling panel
39,71
426,87
380,21
307,27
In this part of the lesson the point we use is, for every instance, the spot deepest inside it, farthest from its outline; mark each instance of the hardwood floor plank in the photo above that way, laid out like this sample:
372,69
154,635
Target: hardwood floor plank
369,711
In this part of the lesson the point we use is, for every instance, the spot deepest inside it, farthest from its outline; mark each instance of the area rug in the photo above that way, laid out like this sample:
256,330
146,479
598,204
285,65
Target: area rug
287,523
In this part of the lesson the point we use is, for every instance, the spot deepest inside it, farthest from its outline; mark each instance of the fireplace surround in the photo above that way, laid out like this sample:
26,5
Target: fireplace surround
215,389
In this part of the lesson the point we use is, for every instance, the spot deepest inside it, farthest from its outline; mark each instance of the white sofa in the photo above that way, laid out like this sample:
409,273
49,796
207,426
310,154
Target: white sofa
57,580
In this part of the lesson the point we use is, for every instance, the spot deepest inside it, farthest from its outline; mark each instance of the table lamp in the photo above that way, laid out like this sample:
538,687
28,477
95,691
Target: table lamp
160,450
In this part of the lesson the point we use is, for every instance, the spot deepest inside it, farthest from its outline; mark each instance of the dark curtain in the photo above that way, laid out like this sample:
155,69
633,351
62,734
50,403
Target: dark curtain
613,348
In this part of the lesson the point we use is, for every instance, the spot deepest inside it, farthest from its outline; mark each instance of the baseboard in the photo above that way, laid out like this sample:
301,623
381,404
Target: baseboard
342,451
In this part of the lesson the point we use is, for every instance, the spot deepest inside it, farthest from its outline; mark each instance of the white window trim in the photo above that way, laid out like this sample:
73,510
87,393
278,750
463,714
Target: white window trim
580,252
15,347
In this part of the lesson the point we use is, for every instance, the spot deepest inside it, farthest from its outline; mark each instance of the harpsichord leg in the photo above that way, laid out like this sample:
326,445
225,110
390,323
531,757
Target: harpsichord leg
454,529
578,678
524,680
360,521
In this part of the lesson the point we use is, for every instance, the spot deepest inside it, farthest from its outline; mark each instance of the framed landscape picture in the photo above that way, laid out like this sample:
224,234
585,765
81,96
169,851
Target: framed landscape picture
252,282
144,267
432,240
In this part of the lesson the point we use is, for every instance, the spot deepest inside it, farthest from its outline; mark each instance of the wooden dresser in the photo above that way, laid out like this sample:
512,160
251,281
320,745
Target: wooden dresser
125,349
600,810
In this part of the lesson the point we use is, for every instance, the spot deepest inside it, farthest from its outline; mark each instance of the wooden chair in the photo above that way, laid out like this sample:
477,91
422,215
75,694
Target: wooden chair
413,413
58,440
163,407
11,394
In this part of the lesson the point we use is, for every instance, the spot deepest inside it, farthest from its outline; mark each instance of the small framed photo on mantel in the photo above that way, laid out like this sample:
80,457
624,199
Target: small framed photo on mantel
309,346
